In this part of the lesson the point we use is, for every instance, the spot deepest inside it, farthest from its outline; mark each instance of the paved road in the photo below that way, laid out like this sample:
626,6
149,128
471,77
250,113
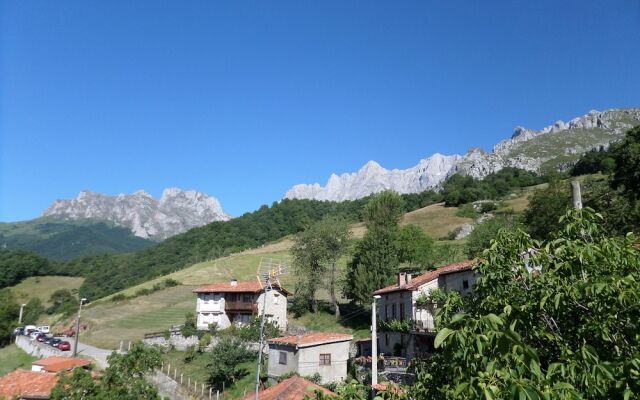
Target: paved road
100,355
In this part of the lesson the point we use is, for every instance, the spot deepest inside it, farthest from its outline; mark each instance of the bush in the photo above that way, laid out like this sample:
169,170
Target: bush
142,292
226,359
171,282
189,354
466,211
204,341
189,327
118,297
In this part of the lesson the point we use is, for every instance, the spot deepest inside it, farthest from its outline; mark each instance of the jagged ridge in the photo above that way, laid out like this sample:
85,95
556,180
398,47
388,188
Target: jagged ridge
556,145
177,211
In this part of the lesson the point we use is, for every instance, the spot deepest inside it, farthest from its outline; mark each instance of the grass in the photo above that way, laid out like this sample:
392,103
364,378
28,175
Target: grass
12,358
43,287
196,370
353,321
436,220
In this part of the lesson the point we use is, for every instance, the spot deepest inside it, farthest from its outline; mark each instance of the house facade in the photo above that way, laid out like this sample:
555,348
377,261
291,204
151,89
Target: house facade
236,302
403,301
324,353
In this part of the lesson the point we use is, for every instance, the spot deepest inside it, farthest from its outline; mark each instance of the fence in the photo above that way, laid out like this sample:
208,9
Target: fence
174,384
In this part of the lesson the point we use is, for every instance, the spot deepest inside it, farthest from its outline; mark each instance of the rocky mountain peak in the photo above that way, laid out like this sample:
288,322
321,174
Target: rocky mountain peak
176,211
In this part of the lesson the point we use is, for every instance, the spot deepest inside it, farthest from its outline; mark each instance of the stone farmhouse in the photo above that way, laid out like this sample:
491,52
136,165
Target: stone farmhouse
236,302
324,353
402,301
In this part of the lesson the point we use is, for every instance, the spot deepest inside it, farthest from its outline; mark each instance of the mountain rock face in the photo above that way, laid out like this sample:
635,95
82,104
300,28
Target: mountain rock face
177,211
555,147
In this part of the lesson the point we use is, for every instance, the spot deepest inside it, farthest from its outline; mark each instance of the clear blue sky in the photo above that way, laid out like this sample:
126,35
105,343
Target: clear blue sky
243,99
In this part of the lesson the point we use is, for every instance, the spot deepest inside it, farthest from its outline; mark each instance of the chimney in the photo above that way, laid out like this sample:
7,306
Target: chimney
402,278
408,278
234,282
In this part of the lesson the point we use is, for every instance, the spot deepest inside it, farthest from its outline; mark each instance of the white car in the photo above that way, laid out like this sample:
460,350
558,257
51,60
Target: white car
34,334
44,329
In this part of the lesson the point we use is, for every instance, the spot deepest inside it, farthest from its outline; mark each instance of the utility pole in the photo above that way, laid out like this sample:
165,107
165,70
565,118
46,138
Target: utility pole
374,342
267,289
576,195
20,317
75,345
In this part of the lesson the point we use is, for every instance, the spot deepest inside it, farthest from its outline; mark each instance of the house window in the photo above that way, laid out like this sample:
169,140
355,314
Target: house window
386,339
246,298
325,359
275,298
401,312
465,284
386,312
283,358
393,311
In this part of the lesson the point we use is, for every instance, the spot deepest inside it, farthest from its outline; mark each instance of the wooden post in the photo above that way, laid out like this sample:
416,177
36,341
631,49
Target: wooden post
169,370
181,379
217,395
189,382
129,349
120,348
202,391
577,196
175,373
210,390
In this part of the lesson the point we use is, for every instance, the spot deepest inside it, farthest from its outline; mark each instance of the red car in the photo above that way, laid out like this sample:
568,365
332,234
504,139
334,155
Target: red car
64,346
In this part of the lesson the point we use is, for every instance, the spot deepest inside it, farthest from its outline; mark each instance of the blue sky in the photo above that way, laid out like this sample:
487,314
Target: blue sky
243,99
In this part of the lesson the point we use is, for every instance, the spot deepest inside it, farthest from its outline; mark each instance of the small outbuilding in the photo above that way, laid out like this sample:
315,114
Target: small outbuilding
323,353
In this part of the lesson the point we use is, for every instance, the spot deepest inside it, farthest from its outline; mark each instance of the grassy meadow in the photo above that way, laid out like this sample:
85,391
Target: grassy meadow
12,358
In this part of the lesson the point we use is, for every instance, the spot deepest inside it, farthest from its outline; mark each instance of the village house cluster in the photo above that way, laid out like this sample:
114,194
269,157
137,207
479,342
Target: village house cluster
326,354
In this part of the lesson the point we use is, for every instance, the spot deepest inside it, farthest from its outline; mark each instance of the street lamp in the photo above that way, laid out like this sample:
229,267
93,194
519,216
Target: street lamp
75,345
374,342
22,306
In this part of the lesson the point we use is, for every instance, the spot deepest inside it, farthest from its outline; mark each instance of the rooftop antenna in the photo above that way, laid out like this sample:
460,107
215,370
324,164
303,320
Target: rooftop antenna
269,271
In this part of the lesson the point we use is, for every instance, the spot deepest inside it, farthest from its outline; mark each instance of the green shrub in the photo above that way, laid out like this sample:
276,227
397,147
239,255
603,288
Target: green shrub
169,282
118,297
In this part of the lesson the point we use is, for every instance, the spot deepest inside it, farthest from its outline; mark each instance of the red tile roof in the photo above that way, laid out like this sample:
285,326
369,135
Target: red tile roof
238,287
59,363
311,339
427,277
294,388
23,383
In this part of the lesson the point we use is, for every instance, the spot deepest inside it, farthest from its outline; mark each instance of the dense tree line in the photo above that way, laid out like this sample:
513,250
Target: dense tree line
110,273
461,189
16,265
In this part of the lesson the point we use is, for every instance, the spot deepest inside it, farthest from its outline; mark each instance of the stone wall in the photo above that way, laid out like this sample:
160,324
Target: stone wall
37,349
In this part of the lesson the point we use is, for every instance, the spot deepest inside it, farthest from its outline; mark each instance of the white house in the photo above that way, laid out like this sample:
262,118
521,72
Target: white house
324,353
398,302
238,302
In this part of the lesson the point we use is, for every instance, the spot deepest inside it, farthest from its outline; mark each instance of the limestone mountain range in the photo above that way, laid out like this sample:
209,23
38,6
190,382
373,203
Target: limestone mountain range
177,211
556,146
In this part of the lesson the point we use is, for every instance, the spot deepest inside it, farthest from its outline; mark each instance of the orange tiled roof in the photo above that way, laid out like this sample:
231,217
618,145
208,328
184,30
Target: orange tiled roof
59,363
294,388
311,339
23,383
427,277
239,287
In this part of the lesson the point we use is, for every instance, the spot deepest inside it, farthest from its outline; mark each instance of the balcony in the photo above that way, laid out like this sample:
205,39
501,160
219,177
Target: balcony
240,306
213,306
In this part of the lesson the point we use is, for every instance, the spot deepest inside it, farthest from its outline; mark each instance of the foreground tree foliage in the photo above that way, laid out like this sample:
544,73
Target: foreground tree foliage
123,379
547,320
315,256
375,261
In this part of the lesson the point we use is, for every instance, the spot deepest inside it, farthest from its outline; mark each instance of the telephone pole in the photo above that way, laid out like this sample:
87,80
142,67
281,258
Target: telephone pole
374,342
75,344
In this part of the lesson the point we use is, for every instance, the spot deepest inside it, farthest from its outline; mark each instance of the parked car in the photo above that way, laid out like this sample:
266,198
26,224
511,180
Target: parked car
28,329
64,346
55,342
33,335
18,331
48,340
41,337
44,328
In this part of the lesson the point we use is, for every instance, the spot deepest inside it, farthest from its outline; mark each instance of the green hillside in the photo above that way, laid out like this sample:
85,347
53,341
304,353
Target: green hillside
63,240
